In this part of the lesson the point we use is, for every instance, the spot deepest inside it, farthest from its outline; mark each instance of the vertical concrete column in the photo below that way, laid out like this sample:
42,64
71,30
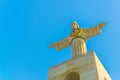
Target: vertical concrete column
78,47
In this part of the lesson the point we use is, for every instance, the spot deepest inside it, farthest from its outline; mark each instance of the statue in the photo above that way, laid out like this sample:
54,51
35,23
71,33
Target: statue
77,38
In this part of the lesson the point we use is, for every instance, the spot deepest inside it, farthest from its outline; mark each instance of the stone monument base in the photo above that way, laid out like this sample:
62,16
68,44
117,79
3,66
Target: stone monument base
86,67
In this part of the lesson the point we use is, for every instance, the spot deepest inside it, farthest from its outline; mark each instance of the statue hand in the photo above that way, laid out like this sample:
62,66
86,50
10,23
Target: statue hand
102,25
52,46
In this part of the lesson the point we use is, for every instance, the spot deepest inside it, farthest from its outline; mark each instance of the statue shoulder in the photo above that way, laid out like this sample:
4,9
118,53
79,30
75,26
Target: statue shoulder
71,34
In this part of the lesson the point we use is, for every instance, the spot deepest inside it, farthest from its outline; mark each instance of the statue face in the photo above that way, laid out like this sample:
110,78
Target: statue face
74,26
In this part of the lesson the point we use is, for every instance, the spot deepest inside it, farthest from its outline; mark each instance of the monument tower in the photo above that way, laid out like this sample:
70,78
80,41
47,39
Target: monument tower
83,65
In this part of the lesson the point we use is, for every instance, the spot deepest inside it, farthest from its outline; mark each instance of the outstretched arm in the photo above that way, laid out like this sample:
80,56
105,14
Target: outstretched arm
90,32
62,44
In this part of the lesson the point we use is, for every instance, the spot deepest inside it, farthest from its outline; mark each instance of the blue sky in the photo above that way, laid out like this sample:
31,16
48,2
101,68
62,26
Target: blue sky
28,27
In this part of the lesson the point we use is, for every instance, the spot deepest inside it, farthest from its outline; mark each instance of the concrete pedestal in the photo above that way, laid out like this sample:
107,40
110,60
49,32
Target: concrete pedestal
85,67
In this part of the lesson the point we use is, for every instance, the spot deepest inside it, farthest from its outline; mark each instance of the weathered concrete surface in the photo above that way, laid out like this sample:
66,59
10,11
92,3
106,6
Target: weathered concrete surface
88,66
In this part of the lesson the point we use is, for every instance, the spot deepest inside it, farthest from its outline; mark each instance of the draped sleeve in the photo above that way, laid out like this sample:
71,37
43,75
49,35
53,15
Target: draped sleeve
62,44
90,32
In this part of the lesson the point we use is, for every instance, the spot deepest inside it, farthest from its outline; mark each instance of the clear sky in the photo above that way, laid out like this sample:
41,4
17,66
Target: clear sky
28,27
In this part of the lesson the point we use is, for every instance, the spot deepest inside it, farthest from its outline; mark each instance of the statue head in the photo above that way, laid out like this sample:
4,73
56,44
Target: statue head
75,25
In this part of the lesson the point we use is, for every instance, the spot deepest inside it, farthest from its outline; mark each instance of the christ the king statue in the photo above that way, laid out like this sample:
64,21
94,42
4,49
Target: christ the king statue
77,39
